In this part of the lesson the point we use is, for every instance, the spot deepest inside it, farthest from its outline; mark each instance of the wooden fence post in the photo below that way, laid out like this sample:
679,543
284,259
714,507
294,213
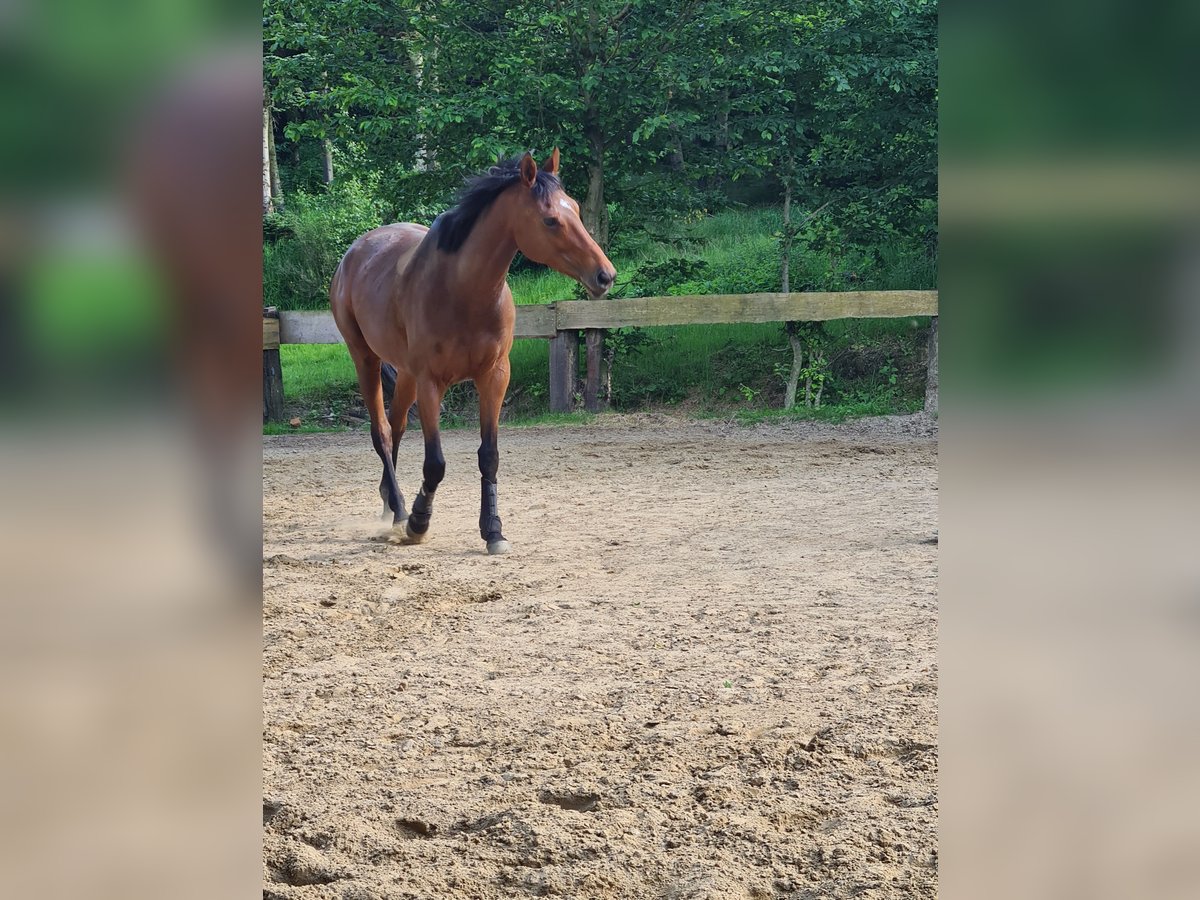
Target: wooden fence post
594,340
931,377
272,369
564,349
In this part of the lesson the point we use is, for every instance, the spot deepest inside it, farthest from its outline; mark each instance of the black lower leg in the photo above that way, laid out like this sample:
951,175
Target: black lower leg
434,472
383,482
489,505
389,491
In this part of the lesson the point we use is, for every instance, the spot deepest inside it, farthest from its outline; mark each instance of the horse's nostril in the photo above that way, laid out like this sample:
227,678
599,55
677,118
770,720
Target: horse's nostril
604,278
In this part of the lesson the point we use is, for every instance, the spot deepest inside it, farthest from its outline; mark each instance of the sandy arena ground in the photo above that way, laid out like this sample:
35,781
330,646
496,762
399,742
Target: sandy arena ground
706,670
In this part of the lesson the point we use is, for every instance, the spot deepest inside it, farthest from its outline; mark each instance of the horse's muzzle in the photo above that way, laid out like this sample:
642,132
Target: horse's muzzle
600,283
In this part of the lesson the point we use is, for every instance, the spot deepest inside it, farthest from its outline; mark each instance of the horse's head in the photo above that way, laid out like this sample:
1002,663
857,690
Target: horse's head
548,229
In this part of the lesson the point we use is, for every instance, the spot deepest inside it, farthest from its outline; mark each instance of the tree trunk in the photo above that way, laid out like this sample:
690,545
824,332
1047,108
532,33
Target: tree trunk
792,328
789,397
328,160
675,160
416,68
722,137
785,265
266,165
276,183
610,357
595,213
931,378
595,220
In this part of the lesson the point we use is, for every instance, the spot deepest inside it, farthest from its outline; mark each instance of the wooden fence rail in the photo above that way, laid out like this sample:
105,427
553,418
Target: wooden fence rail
561,323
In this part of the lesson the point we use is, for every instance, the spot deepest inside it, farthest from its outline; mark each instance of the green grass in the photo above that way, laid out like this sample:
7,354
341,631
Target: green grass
839,412
315,374
539,287
578,417
304,428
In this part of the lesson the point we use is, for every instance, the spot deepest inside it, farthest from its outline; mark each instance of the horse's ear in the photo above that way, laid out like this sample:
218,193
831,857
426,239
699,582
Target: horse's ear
550,163
528,170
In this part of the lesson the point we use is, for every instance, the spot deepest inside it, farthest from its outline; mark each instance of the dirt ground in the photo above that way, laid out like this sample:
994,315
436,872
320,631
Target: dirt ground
706,670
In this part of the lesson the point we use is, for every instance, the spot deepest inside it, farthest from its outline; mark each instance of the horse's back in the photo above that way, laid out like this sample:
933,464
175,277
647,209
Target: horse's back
380,251
365,280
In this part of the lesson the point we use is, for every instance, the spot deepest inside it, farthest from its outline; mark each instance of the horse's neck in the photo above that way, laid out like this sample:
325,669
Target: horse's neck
478,270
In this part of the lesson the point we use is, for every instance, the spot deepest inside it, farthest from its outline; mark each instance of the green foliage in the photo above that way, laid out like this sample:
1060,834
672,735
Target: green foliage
623,342
657,278
814,343
308,240
668,105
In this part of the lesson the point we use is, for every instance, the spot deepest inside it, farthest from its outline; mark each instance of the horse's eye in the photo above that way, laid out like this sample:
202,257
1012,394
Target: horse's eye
550,223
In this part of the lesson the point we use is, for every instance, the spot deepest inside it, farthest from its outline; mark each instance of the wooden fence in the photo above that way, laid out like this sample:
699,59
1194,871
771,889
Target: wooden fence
561,323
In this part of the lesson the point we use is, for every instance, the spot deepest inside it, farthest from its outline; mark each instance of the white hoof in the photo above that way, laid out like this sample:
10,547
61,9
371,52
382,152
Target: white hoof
495,548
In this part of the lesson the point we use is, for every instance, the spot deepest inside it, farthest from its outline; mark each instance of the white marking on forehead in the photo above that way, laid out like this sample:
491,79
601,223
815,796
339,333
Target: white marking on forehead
565,204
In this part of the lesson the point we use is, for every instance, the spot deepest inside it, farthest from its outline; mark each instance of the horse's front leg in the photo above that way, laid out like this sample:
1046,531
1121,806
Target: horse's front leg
491,397
429,404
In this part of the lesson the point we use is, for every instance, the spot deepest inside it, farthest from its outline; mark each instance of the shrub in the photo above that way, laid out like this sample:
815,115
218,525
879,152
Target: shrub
309,239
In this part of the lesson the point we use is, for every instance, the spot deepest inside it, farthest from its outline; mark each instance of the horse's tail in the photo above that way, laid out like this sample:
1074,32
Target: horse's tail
388,373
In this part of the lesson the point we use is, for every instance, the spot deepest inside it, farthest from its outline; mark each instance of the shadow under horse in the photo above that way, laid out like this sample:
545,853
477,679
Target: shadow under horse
434,303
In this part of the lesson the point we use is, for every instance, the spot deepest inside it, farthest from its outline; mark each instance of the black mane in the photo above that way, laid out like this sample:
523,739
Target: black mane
453,227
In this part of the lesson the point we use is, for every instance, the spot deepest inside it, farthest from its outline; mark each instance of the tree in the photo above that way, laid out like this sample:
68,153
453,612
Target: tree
588,77
653,105
266,165
342,73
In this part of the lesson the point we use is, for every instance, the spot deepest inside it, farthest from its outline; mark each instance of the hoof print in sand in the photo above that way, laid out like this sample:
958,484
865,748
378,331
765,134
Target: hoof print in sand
577,801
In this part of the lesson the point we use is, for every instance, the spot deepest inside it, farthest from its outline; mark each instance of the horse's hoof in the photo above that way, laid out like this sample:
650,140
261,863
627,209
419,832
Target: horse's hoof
414,536
495,548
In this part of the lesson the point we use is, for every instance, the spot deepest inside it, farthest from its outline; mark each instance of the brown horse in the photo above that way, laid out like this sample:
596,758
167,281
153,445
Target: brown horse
434,302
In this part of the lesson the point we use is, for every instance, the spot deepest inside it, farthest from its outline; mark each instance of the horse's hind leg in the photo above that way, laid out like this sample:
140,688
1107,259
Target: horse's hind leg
403,396
366,364
429,402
